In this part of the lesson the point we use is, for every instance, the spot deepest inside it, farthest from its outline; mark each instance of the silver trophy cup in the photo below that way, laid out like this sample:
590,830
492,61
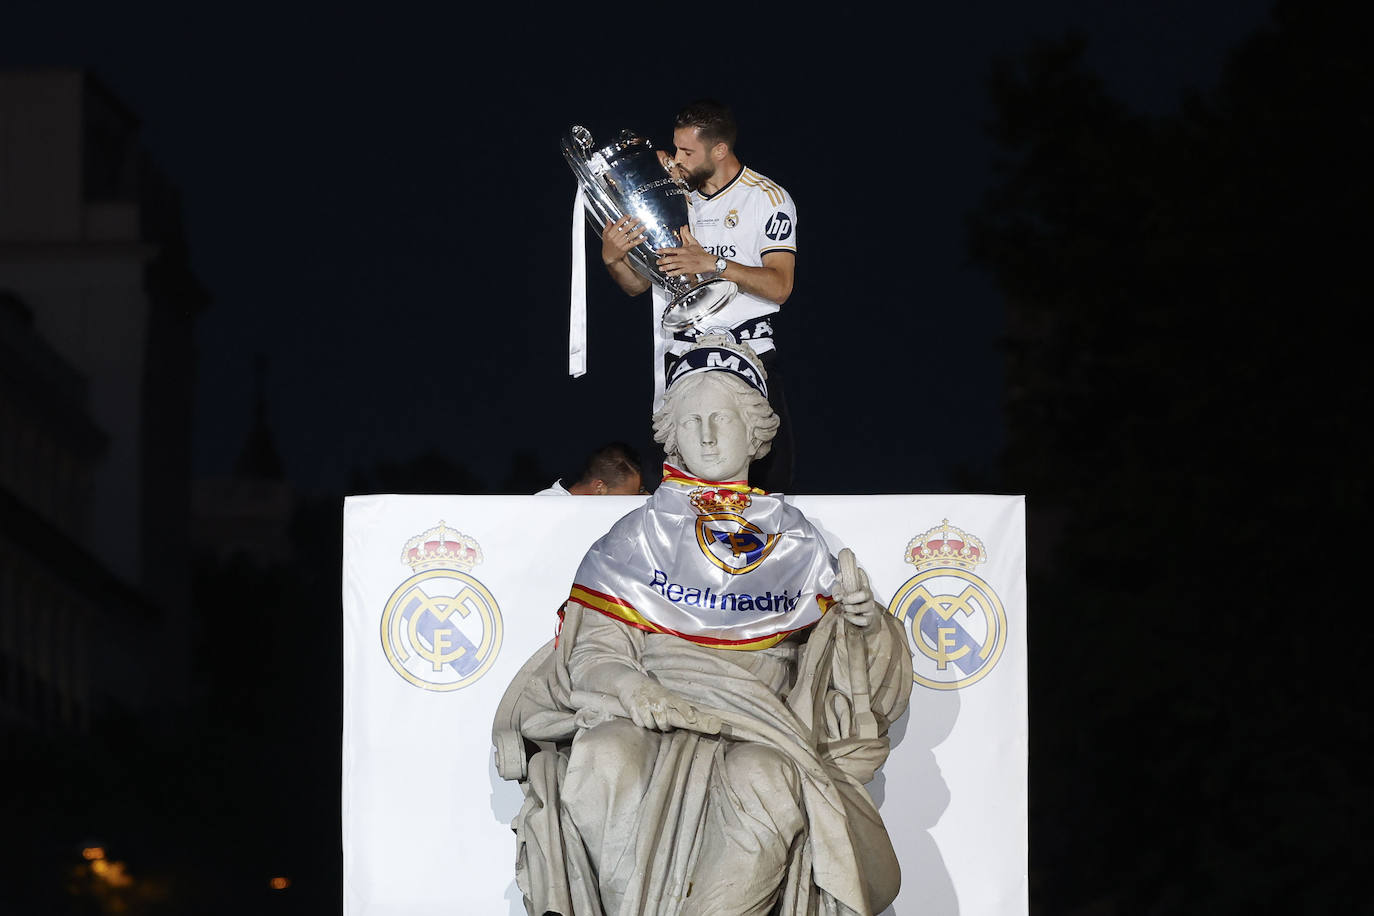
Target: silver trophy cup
625,178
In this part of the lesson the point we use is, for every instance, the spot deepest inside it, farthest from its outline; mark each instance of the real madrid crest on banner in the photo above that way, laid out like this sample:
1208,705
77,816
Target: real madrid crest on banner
955,619
441,629
725,537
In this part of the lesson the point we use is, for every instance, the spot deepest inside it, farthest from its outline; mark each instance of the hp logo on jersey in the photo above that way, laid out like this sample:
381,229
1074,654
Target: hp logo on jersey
778,227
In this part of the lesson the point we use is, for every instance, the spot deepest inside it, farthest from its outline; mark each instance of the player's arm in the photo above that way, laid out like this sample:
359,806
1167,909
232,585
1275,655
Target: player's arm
617,239
772,281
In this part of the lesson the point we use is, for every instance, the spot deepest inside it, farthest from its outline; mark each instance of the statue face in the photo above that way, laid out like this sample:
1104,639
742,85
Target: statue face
713,437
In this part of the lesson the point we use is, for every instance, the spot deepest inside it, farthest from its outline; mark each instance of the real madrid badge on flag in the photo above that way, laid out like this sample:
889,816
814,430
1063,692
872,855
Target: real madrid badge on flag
441,629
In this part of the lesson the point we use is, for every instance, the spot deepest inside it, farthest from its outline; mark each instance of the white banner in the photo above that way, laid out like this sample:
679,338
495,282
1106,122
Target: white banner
433,636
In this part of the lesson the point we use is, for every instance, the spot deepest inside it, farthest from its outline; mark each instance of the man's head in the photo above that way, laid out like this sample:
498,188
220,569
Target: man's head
714,420
611,470
704,133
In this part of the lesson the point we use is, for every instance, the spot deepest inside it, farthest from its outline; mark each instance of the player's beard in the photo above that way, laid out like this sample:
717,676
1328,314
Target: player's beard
697,176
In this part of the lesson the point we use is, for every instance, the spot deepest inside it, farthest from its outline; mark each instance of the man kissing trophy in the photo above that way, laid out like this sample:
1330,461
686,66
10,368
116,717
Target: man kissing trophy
718,695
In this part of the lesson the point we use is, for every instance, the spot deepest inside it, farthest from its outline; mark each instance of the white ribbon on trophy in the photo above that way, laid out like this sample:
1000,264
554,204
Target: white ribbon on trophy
577,318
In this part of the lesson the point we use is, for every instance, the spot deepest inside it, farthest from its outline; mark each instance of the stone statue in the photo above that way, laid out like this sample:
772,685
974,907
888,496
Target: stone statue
718,695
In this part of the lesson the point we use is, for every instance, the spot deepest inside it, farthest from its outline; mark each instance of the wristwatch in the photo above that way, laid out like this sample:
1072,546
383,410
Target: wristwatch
720,265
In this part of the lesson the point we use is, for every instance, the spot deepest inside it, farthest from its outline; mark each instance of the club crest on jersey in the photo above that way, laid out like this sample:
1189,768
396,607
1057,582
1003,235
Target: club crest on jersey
724,536
778,227
441,629
954,619
732,219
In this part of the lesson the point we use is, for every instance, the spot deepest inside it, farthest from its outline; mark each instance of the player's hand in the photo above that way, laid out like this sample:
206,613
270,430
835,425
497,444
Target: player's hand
688,258
651,705
619,236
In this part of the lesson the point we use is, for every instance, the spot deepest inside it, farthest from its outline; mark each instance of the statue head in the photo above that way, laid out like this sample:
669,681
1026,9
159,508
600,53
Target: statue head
715,417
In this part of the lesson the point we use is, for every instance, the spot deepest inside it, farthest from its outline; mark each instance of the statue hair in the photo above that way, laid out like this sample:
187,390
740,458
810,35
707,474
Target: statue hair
758,414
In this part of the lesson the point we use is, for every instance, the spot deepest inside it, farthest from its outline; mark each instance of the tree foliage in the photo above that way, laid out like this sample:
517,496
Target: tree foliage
1184,393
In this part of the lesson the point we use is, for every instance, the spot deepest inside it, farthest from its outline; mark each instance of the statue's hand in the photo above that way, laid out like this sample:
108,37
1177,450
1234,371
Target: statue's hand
653,706
859,609
856,598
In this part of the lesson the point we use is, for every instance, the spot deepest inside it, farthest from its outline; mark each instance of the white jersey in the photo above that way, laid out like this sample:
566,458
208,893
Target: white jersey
743,221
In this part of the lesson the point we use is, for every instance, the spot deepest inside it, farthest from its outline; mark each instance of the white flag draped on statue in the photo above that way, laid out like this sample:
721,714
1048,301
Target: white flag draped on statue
638,573
446,597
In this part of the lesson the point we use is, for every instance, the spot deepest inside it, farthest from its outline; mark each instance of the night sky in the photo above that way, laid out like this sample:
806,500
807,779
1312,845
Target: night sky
377,204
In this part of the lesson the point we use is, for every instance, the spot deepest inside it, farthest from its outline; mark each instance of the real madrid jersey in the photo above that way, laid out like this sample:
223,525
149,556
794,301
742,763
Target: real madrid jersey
748,218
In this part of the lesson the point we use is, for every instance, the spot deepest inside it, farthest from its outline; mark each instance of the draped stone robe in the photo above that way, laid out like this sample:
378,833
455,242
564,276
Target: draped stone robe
623,820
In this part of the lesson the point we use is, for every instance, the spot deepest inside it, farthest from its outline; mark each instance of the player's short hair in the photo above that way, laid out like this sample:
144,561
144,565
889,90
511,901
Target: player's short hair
612,463
759,416
714,122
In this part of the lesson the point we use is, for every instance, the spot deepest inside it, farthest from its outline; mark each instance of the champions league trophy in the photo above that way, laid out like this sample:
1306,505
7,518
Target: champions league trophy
626,178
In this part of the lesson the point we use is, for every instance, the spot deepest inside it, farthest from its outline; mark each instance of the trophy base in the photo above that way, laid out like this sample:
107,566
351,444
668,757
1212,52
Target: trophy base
700,302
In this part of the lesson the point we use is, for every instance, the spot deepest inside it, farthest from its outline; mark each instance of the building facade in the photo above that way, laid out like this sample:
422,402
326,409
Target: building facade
97,310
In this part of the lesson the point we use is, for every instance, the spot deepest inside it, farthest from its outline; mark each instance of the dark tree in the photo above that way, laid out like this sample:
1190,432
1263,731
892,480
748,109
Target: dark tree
1184,400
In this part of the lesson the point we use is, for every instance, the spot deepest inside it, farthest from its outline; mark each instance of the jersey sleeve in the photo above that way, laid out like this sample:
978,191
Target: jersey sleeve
775,219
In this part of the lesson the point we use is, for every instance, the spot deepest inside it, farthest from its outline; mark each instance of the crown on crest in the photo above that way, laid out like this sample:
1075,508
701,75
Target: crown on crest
709,501
442,547
945,545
